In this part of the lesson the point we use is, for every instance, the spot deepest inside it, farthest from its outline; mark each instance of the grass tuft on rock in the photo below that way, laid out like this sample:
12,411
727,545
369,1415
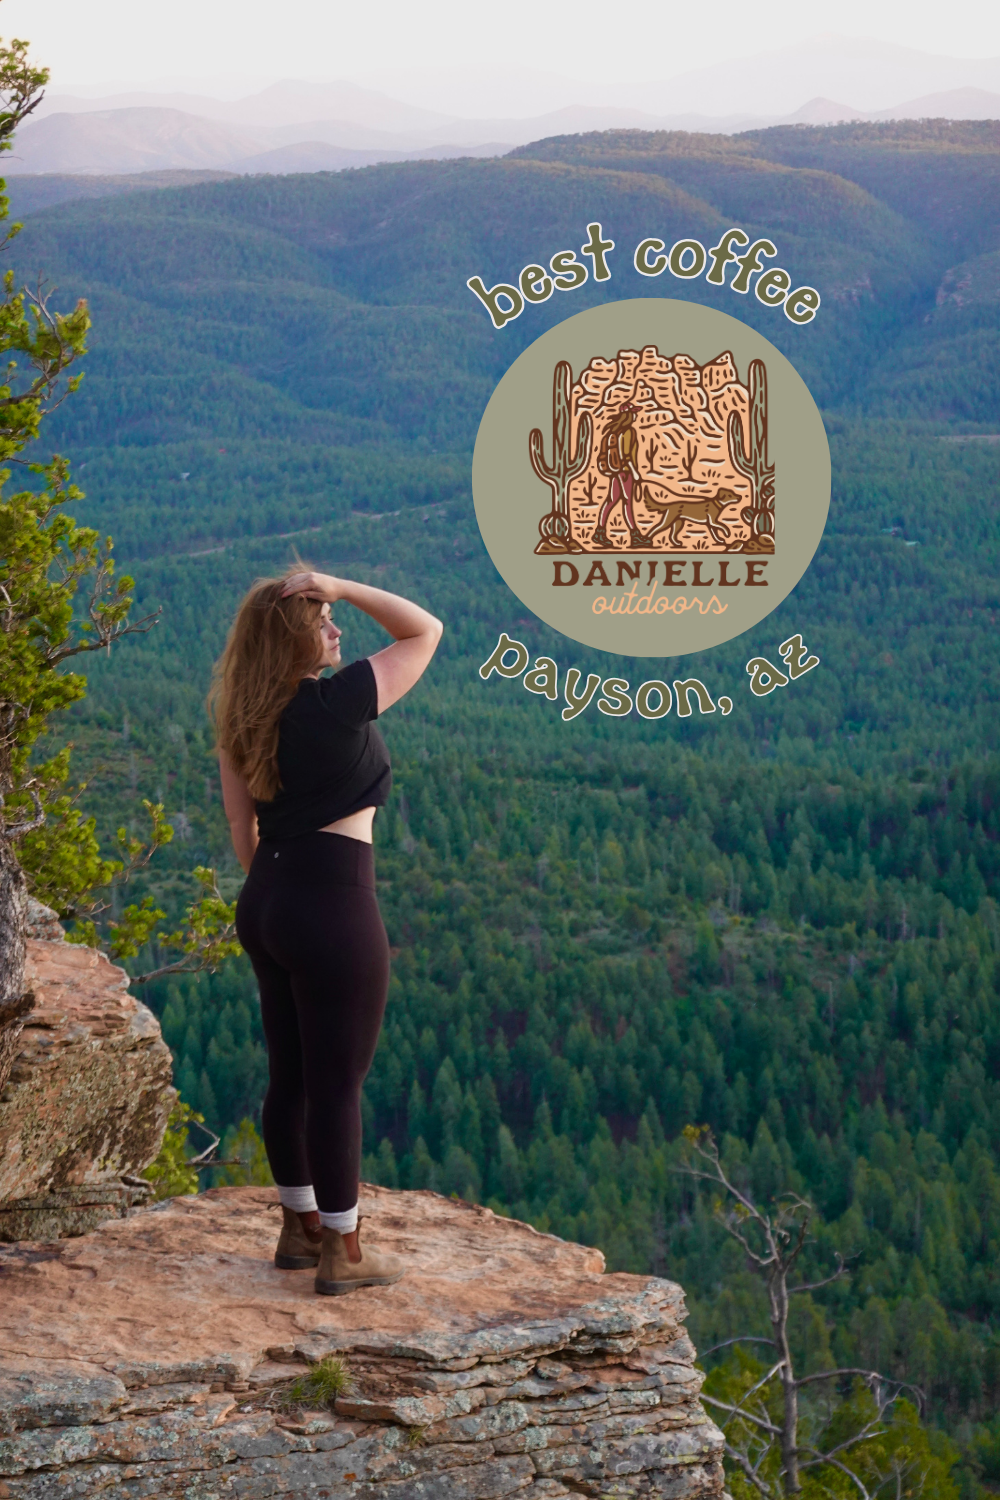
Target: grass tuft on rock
324,1382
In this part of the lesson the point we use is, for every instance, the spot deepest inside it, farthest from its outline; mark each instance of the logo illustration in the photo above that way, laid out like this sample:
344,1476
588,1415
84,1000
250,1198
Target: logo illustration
655,453
651,477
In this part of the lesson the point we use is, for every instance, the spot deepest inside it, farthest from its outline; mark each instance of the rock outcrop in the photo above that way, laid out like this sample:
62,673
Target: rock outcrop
87,1094
155,1357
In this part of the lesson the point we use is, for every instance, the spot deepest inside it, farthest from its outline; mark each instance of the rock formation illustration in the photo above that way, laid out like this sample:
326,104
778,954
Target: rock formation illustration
701,488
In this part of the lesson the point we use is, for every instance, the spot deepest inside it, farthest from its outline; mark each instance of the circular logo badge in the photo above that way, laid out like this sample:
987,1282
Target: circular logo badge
651,477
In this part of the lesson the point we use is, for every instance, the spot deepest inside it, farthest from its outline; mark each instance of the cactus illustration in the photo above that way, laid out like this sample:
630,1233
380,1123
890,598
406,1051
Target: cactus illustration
555,528
752,462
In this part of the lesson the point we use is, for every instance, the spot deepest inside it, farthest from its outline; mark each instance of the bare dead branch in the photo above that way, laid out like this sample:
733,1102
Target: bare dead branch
797,1248
741,1239
749,1470
871,1429
719,1175
745,1416
205,1157
15,830
870,1375
836,1464
52,366
183,965
751,1209
796,1201
773,1234
726,1342
104,641
760,1383
785,1232
812,1286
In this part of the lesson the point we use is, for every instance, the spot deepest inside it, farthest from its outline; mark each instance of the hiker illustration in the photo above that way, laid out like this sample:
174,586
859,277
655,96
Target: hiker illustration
618,460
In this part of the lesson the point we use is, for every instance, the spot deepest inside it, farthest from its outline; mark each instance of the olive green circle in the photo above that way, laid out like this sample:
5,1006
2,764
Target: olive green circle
510,499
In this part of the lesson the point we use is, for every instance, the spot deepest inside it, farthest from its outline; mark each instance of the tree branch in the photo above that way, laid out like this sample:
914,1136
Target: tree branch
726,1342
785,1230
54,343
15,830
105,639
871,1429
204,1159
191,963
744,1416
899,1385
720,1177
762,1382
812,1286
803,1225
22,90
836,1464
773,1234
741,1239
761,1485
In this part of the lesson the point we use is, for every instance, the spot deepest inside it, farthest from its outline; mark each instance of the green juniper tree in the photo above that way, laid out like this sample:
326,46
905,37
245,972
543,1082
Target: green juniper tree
47,565
43,554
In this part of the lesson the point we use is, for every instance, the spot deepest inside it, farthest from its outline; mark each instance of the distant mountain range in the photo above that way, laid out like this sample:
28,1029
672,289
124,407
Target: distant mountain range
144,139
862,74
301,126
157,138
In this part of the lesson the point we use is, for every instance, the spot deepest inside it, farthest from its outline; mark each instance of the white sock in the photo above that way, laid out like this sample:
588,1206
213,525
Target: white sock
302,1200
344,1223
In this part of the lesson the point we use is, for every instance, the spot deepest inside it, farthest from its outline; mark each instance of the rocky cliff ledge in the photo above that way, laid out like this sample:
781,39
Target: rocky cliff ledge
87,1095
155,1357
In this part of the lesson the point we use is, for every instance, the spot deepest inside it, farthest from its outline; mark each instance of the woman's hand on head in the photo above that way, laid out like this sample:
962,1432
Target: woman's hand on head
314,586
416,632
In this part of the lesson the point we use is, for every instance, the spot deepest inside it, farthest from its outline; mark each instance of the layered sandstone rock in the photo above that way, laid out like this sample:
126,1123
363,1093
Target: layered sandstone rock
155,1357
87,1095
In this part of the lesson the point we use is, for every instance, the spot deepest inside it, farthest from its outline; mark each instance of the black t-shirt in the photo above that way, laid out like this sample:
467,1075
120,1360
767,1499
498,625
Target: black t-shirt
331,759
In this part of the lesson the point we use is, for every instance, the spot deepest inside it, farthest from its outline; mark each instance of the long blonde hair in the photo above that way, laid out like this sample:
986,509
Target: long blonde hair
273,644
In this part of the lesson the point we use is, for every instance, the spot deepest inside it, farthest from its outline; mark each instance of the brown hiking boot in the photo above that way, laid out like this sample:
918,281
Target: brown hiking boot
296,1251
599,537
337,1275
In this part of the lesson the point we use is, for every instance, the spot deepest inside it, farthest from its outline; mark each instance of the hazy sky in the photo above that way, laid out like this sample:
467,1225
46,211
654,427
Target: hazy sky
256,40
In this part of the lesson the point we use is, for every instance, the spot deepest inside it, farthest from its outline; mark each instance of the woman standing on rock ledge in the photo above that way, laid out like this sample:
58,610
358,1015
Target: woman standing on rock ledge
303,771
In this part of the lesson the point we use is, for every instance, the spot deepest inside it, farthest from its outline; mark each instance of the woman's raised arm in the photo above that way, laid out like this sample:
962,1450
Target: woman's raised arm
417,632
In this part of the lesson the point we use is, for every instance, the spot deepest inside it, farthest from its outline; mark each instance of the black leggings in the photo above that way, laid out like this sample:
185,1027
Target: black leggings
309,920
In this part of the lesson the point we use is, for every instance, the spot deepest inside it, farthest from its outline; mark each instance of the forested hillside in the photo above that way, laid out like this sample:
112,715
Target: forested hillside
783,924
